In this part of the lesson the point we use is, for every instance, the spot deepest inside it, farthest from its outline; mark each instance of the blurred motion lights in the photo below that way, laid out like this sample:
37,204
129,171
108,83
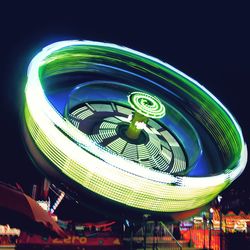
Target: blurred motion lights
173,140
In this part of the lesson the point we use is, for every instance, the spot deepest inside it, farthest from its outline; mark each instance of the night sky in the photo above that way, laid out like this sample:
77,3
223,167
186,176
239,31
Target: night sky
210,43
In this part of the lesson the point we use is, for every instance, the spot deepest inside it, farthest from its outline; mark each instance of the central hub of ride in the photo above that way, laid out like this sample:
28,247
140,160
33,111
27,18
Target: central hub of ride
131,131
146,106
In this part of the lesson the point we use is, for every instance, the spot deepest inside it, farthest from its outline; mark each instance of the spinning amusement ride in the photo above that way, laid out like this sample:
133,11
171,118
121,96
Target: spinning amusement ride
128,130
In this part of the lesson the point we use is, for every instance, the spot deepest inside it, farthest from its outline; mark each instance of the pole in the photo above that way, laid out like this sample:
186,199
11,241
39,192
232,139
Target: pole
220,229
131,238
144,231
209,240
210,226
204,230
144,236
219,198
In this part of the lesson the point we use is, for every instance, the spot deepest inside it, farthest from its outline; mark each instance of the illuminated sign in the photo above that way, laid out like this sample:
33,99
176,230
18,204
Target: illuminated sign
72,240
77,240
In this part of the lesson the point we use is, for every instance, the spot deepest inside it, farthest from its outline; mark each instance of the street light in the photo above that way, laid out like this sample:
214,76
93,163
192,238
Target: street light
211,211
219,198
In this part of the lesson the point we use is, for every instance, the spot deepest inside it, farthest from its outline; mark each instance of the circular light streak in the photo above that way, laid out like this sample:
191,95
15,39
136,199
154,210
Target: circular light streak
147,105
75,155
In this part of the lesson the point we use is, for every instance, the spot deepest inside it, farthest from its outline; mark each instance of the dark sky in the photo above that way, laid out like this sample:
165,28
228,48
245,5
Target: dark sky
208,42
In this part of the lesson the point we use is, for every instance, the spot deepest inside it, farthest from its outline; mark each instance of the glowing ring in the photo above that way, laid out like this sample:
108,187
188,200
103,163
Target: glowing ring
111,176
147,105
